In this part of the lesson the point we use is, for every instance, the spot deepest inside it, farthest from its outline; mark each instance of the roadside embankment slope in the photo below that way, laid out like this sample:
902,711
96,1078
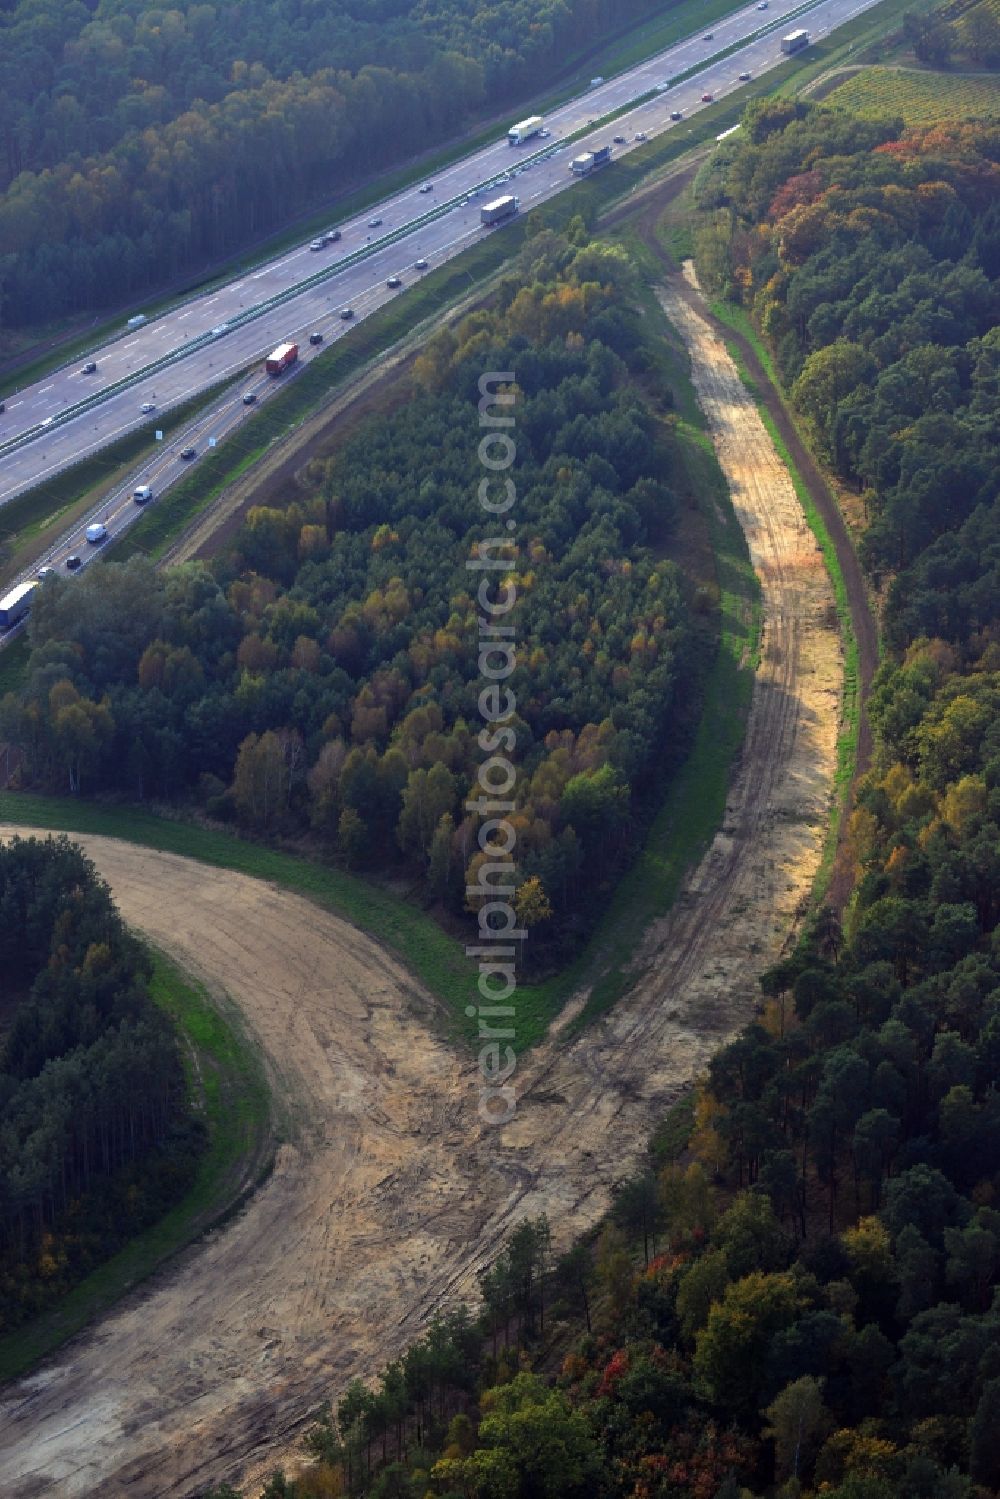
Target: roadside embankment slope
388,1195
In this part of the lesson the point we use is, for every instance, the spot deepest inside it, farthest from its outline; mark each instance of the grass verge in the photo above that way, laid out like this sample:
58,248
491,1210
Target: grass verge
680,832
629,47
672,1137
161,526
434,957
847,739
228,1087
696,800
682,829
32,520
866,36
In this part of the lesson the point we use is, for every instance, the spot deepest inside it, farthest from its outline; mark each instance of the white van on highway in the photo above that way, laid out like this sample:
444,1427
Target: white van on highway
96,533
142,494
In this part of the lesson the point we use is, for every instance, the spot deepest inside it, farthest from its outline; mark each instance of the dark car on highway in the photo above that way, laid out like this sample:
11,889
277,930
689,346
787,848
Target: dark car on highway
90,368
249,398
188,453
73,563
347,313
420,265
675,114
315,338
393,282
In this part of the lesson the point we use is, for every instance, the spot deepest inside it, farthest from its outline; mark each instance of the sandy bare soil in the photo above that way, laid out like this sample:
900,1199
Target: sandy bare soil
388,1194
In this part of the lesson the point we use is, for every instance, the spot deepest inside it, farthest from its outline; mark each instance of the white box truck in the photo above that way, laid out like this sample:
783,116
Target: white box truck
15,605
498,210
524,130
794,41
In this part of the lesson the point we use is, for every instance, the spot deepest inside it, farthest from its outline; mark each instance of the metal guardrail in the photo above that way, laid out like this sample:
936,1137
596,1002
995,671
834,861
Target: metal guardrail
202,340
290,293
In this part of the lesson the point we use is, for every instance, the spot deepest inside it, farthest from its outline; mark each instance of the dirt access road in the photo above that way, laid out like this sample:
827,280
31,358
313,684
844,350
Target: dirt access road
388,1195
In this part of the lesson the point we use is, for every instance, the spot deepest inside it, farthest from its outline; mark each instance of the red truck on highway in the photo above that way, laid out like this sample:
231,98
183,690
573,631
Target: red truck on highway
281,358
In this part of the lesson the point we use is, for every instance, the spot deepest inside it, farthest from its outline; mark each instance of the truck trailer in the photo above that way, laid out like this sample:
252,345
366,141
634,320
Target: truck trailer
15,605
794,41
524,130
585,164
498,210
281,358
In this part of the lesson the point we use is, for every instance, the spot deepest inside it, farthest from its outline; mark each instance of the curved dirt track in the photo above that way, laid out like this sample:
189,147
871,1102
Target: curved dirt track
388,1194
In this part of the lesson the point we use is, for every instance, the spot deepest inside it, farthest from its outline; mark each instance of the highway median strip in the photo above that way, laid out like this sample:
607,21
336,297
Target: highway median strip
321,276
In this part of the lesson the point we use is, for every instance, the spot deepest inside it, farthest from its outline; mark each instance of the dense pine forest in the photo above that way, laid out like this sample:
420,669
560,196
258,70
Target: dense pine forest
95,1136
324,678
799,1297
139,142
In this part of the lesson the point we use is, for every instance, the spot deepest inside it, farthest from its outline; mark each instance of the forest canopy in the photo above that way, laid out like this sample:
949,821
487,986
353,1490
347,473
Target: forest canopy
95,1136
326,676
869,256
806,1304
138,142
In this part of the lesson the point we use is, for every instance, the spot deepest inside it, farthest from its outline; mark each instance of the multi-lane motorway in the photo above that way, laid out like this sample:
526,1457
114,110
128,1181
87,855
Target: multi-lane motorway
70,414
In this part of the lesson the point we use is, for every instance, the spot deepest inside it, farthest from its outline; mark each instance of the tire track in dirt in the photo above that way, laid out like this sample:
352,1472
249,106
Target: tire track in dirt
387,1194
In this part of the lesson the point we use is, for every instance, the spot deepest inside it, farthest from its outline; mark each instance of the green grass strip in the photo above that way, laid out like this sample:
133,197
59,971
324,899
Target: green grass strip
27,515
227,1083
695,803
847,739
683,828
679,834
632,46
378,335
434,957
162,525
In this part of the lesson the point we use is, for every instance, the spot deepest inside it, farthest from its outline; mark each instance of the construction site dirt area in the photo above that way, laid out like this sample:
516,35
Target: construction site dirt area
389,1194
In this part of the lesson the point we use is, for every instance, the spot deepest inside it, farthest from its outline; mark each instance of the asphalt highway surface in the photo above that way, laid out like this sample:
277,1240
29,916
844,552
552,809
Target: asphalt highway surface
226,331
